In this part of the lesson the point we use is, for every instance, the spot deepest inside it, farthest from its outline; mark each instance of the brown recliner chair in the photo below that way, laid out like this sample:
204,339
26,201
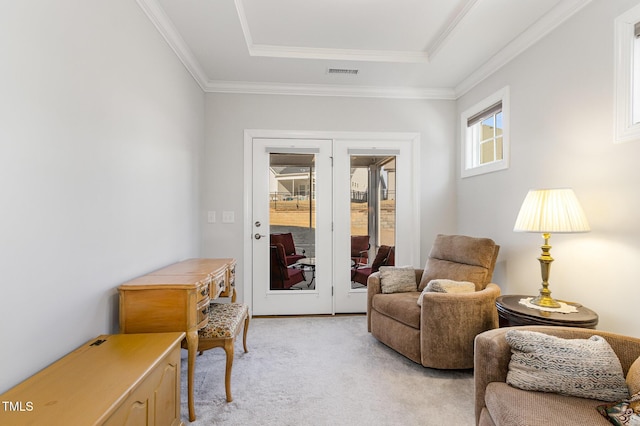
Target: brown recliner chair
440,333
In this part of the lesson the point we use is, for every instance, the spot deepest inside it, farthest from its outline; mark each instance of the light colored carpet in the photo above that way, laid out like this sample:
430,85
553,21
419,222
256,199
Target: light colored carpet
324,371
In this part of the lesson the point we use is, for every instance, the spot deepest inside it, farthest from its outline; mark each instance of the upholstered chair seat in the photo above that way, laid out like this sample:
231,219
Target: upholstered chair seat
225,322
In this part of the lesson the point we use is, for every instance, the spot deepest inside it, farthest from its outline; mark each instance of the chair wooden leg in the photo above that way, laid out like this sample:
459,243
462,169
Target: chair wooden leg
192,347
228,348
244,333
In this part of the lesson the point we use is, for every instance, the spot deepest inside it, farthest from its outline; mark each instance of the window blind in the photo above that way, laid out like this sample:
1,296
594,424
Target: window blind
372,151
291,150
485,113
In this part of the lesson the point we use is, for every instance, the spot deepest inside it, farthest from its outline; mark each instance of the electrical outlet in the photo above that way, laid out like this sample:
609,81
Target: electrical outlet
228,217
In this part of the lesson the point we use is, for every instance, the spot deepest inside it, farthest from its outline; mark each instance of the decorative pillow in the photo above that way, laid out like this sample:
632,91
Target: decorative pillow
586,368
622,413
447,286
450,286
395,279
633,377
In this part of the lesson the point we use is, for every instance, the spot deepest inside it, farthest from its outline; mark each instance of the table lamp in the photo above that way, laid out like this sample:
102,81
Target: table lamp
547,211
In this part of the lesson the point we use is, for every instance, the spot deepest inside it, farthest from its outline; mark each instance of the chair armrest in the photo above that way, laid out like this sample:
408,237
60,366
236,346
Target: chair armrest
452,321
373,287
491,363
363,256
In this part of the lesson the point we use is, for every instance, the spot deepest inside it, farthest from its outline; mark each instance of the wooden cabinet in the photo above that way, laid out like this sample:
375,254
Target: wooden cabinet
175,298
120,379
155,304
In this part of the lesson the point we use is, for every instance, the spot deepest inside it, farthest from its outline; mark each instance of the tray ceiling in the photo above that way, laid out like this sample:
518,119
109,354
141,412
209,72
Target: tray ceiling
382,48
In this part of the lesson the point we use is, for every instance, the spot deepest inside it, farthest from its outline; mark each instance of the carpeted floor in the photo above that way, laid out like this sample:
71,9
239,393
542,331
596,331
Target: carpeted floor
324,371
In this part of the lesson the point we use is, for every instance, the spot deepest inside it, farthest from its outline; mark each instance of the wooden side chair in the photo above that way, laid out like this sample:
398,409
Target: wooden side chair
225,322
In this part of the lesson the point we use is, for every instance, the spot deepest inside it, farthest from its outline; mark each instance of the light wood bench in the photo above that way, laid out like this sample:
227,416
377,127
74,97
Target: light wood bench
225,322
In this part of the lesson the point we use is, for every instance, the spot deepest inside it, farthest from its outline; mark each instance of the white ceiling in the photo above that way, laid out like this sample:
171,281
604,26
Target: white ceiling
434,49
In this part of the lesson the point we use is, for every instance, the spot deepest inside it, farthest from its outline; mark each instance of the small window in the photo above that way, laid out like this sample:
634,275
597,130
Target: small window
635,106
484,136
627,65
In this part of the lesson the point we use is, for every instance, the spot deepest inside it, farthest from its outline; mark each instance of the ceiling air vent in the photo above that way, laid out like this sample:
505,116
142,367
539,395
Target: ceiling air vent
343,71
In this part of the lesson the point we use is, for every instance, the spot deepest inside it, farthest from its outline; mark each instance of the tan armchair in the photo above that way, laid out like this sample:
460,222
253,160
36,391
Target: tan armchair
440,333
512,406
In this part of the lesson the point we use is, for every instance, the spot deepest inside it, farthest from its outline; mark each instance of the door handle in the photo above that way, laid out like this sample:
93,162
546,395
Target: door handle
258,236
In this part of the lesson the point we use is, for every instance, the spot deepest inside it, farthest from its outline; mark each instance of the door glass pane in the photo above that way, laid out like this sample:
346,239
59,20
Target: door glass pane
635,81
387,194
292,221
373,213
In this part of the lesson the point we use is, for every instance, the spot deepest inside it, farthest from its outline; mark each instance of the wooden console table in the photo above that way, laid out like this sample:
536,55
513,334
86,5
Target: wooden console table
111,380
176,298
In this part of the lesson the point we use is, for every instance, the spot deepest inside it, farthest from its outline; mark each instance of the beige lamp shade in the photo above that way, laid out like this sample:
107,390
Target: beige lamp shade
551,211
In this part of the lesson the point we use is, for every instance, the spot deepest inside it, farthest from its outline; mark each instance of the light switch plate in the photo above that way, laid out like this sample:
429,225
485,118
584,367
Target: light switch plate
228,217
211,217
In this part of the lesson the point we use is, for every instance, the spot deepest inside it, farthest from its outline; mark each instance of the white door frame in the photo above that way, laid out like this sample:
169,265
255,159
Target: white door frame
411,258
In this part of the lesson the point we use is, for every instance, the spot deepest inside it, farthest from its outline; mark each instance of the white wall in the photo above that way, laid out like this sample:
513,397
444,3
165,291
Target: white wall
101,131
228,115
562,135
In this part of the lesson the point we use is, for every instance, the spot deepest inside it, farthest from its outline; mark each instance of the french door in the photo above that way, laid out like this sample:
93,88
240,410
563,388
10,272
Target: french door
291,227
374,200
308,197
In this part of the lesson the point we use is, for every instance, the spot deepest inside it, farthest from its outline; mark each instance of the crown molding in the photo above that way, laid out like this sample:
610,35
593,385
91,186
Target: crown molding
449,29
528,38
329,90
294,52
165,27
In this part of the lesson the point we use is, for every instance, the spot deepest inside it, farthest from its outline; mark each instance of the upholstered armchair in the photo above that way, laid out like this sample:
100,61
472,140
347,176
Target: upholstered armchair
290,253
384,257
440,332
282,277
360,249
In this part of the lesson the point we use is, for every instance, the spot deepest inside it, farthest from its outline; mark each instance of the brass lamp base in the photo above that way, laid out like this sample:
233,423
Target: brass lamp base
544,298
545,301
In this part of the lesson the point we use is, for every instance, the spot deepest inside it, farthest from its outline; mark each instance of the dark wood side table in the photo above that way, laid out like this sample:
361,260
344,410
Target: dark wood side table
512,313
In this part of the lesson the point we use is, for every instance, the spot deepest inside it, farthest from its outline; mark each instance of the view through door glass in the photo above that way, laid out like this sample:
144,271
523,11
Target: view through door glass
292,221
373,215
